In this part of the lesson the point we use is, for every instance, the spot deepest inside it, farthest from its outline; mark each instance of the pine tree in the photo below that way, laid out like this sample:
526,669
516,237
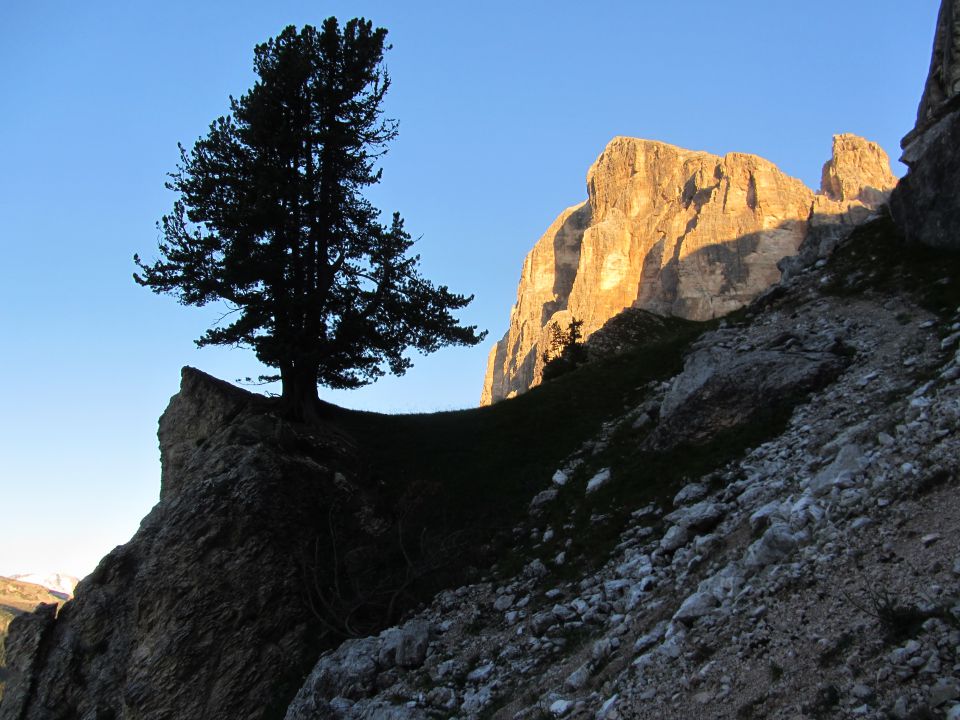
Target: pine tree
270,218
566,352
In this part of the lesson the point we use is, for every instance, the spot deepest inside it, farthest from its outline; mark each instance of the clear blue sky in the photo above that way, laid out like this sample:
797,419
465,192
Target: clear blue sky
502,107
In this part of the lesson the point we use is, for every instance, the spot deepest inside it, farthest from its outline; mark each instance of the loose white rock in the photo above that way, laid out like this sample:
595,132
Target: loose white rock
598,481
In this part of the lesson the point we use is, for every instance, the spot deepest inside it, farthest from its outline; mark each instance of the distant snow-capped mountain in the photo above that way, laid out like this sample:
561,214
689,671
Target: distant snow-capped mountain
57,582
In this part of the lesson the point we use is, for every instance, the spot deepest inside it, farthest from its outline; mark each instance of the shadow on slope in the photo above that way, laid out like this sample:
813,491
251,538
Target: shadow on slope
466,478
876,258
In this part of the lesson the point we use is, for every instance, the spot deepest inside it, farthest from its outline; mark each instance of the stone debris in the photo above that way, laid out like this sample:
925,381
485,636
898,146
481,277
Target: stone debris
598,480
819,574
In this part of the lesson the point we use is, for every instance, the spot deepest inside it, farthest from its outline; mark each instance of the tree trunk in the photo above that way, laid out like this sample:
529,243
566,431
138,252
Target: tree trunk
298,399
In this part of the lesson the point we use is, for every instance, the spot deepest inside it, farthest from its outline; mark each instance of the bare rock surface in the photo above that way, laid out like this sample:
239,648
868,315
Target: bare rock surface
815,572
204,613
677,233
31,631
724,384
926,207
17,597
859,170
817,575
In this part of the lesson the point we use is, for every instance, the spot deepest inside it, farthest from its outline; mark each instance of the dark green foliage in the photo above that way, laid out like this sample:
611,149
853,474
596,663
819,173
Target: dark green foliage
468,476
566,351
270,219
460,482
748,710
899,620
776,672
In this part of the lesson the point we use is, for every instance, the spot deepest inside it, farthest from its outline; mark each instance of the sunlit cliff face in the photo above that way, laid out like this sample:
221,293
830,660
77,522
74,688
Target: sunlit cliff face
676,232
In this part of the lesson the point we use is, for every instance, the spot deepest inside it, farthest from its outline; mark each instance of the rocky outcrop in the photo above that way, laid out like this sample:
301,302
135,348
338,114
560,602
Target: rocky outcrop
943,80
858,171
727,384
677,233
19,597
206,612
926,204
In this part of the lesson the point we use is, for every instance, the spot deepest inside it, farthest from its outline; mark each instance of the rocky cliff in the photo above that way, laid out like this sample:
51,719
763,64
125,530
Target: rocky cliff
675,232
16,598
206,612
762,521
927,206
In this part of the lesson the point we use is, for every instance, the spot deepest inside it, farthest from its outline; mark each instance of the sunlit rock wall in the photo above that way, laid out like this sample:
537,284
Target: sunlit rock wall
675,232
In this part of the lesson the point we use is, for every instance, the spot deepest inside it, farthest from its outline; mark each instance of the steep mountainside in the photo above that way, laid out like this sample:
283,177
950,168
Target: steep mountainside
772,533
273,541
749,517
754,518
675,232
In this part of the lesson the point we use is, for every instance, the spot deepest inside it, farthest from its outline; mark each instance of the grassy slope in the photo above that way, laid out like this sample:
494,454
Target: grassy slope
877,259
489,461
464,479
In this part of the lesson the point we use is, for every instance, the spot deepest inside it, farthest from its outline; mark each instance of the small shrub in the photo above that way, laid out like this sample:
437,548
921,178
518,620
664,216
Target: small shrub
776,672
898,620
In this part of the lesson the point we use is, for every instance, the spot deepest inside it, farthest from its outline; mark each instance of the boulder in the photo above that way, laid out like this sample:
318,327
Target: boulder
839,472
690,493
722,388
700,517
773,546
348,672
696,606
405,646
676,537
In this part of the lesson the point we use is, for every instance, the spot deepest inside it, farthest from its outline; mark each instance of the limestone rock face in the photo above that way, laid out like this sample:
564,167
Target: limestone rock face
926,205
858,170
942,89
725,386
677,233
545,281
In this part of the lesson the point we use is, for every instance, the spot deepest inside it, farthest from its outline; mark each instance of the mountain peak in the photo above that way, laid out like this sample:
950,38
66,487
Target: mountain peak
677,232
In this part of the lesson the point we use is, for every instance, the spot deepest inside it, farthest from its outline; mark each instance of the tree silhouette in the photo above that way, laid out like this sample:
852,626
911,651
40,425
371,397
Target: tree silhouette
566,352
270,219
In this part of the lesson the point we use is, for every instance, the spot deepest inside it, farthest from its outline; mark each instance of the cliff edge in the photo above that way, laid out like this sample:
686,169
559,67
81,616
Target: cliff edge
206,612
